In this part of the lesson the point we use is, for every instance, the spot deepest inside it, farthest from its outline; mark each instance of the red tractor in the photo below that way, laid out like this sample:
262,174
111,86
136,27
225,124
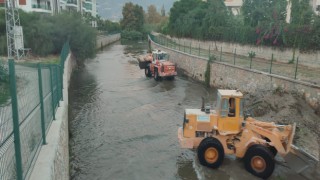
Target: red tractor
156,64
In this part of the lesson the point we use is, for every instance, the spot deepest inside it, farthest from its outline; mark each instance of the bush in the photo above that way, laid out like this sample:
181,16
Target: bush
207,74
131,35
46,34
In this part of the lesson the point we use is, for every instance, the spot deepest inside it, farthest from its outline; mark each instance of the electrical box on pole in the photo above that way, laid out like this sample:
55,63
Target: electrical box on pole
15,42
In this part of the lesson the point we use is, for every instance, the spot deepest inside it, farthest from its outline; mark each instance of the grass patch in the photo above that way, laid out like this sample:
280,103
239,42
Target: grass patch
4,93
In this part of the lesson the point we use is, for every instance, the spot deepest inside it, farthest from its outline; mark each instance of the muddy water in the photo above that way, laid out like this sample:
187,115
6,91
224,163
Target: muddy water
124,125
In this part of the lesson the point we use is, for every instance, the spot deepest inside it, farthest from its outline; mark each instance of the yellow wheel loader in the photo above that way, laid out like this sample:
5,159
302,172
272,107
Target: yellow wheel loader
226,130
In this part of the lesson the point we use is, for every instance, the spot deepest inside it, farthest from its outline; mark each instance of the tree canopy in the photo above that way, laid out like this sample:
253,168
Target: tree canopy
46,34
152,16
260,22
133,17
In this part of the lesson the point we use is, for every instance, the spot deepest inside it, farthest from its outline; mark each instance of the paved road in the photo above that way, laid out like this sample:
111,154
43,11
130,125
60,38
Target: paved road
124,125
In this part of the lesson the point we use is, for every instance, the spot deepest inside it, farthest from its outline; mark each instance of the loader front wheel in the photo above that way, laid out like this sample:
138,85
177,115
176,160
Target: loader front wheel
210,153
156,75
259,161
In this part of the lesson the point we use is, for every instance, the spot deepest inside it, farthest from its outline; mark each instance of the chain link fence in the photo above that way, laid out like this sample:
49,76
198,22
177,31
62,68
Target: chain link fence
26,112
292,70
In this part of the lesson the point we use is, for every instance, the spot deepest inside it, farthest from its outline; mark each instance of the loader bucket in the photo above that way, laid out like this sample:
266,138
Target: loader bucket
290,140
302,163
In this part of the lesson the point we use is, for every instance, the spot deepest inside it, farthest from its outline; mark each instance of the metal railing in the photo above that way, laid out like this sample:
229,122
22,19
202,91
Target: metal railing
41,6
25,118
292,70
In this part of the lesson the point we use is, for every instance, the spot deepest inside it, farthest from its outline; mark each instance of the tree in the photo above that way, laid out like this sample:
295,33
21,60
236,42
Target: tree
133,17
216,18
3,37
256,12
268,17
153,17
163,11
177,13
301,19
46,34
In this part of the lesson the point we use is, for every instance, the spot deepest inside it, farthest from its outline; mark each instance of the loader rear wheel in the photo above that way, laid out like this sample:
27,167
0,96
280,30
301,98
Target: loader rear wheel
259,161
210,153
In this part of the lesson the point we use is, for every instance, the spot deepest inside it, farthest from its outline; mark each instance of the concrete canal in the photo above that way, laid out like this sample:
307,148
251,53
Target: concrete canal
124,125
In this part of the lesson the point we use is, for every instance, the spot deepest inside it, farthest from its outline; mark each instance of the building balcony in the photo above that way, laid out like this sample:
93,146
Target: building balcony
41,8
233,3
73,3
87,6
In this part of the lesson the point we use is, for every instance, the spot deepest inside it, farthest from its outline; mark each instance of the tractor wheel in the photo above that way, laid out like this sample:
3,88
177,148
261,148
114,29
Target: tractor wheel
147,72
156,75
259,161
210,153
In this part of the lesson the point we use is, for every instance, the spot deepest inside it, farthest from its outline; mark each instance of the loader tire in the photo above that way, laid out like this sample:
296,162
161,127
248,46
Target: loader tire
147,72
210,153
171,78
259,161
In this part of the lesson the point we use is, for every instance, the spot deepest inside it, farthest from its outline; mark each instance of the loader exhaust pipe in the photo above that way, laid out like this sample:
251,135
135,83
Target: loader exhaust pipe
202,107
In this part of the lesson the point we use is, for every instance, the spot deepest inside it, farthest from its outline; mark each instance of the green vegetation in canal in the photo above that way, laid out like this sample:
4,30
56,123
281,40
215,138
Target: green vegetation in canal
207,73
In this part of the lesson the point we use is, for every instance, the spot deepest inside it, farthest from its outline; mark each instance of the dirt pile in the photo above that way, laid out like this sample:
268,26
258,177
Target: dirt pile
283,108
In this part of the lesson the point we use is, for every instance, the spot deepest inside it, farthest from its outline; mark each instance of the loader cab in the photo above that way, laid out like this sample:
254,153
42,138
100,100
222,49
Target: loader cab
159,55
230,111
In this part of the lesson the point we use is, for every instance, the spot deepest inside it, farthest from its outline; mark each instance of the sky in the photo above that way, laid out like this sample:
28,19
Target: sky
112,9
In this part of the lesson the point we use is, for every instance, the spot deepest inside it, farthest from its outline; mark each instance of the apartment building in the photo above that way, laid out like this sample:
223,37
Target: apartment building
42,6
56,6
234,6
83,6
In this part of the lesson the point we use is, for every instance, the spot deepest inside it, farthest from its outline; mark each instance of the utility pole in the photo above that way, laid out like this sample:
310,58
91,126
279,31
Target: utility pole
15,42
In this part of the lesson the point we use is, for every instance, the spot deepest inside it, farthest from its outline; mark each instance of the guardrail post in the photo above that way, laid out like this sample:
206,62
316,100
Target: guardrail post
250,62
234,56
221,54
43,127
52,93
184,46
58,88
61,81
179,44
199,49
209,52
295,74
15,119
190,48
271,64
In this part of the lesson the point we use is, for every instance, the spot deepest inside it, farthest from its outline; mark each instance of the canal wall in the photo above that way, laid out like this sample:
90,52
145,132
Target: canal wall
53,159
247,80
106,40
311,59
